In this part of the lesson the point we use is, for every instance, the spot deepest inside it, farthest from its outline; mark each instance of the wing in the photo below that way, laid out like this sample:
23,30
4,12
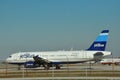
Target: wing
40,60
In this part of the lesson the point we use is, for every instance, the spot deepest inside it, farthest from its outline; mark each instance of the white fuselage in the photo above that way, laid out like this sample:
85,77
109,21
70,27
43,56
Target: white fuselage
55,56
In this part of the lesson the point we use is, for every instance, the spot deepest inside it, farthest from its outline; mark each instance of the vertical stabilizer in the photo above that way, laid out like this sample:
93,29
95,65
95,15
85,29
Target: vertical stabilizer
100,43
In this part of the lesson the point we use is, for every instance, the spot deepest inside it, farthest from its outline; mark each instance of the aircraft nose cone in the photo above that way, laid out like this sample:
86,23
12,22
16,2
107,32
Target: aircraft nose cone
8,60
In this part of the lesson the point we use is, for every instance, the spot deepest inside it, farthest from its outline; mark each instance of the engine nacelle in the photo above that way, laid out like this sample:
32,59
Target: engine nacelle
30,64
98,56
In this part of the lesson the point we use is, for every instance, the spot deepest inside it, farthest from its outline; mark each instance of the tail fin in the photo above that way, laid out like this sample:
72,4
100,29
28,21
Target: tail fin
100,43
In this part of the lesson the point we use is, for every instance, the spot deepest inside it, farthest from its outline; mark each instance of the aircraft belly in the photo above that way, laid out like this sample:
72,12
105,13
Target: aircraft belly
70,60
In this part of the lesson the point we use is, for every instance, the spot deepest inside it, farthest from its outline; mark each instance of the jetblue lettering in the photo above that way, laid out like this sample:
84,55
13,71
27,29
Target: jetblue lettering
27,55
98,45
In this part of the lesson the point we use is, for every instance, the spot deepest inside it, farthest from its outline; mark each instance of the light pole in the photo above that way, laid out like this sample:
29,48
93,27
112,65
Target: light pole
52,72
86,63
67,64
6,68
23,73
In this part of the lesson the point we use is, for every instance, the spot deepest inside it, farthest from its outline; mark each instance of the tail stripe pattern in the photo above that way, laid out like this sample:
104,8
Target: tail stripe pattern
100,43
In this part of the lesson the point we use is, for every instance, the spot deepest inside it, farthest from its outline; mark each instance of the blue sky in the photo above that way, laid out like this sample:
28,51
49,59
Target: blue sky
40,25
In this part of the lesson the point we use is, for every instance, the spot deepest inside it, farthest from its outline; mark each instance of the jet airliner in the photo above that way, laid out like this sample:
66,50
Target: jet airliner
49,58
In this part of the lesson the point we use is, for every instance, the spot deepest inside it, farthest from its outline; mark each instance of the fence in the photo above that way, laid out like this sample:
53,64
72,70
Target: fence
75,70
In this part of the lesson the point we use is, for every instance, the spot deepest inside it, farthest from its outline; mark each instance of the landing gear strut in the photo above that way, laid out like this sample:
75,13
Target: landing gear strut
19,67
57,66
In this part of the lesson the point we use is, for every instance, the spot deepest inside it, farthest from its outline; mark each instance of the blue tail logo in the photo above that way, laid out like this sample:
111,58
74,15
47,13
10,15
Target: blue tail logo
100,43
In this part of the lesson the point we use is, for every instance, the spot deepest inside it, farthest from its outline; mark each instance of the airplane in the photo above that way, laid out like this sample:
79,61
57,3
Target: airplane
48,59
110,61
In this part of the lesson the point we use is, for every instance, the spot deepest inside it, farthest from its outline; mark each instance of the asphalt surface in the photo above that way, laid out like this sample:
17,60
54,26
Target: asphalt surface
68,67
65,78
71,67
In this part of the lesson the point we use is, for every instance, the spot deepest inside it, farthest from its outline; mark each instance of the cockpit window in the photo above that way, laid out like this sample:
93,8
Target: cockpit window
10,56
